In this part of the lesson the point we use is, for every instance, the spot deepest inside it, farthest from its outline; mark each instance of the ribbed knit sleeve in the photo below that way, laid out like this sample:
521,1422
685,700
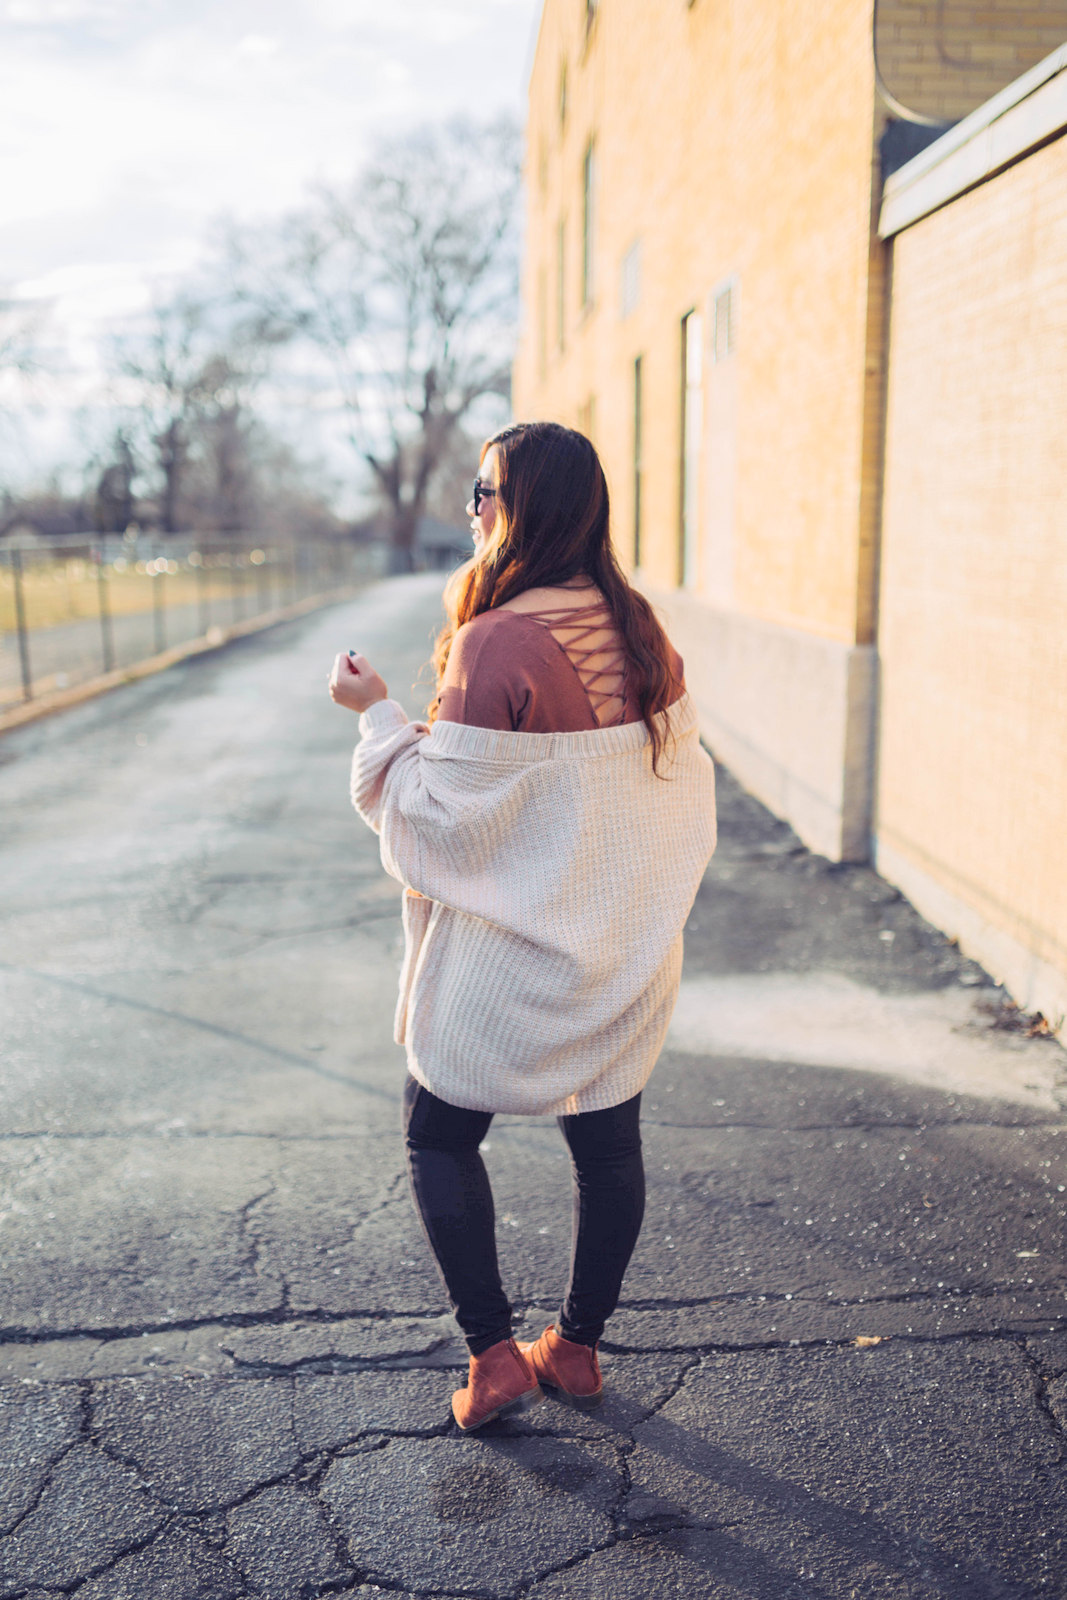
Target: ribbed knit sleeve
386,737
439,820
386,778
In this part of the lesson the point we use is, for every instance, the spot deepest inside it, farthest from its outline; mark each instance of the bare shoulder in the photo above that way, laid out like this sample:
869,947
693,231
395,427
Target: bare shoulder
553,598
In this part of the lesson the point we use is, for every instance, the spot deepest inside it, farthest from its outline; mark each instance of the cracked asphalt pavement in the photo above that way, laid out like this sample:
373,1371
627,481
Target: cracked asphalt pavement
840,1364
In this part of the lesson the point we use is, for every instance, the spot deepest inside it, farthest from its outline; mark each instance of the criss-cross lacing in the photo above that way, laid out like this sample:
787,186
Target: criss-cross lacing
570,627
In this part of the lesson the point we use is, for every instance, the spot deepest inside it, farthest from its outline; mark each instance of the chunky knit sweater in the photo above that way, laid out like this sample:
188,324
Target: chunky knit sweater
549,876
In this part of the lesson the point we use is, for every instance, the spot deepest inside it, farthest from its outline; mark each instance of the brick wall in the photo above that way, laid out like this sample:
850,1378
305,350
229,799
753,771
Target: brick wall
944,59
972,769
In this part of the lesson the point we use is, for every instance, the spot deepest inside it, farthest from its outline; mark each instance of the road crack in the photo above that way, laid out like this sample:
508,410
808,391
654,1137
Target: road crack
890,1125
1040,1383
248,1237
754,1346
276,1317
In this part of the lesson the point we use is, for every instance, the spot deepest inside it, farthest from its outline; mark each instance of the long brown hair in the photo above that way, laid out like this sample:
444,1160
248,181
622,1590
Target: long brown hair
552,524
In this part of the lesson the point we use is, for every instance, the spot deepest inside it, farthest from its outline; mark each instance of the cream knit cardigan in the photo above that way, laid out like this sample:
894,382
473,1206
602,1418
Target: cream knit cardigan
552,874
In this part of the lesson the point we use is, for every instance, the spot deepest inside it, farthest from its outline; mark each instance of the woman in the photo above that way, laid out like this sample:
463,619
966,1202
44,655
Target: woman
551,825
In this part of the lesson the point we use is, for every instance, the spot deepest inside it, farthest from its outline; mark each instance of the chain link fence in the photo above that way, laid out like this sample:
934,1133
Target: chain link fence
83,605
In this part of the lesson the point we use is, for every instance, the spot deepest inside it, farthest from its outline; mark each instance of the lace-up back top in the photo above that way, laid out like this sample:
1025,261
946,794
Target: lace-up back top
556,668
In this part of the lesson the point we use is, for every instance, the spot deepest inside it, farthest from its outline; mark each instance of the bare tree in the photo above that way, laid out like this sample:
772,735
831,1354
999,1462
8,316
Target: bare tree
113,498
22,324
235,471
406,281
184,370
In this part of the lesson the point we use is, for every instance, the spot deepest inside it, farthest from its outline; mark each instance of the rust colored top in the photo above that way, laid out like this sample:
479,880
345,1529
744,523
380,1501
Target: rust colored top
560,670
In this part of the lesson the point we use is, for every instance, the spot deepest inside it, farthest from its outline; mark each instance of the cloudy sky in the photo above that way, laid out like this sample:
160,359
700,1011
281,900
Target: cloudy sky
128,126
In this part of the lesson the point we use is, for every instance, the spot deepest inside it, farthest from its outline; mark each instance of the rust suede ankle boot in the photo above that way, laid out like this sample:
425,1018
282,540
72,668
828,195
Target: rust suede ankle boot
569,1371
501,1382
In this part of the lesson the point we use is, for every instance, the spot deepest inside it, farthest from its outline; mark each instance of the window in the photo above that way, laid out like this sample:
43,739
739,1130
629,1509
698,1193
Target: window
561,282
587,418
638,446
630,286
588,221
723,338
592,11
692,425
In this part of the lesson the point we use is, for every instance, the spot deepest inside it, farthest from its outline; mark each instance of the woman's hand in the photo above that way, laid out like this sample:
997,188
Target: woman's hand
355,684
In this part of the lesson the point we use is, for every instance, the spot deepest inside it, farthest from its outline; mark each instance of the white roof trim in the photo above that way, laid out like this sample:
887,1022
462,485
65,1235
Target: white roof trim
1028,111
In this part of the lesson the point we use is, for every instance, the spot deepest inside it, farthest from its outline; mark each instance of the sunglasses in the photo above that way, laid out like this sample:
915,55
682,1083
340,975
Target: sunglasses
482,491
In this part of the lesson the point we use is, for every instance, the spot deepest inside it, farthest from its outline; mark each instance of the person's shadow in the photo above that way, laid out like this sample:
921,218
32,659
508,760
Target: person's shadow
825,1550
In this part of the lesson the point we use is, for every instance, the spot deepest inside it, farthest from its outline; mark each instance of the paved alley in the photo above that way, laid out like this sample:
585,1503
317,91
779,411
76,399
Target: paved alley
840,1364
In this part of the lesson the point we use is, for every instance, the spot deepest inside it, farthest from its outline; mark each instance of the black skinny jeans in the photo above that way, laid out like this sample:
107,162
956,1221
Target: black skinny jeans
455,1204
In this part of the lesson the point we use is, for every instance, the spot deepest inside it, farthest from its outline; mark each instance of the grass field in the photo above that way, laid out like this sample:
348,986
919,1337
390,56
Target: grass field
69,591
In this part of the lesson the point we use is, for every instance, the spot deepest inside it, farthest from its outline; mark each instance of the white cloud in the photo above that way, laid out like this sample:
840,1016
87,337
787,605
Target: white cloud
126,126
259,44
212,115
90,279
40,13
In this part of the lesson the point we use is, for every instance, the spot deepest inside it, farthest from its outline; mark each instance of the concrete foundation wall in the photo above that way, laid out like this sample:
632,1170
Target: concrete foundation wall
789,713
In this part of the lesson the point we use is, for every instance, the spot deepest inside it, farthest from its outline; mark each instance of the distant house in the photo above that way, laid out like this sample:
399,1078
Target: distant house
21,535
440,545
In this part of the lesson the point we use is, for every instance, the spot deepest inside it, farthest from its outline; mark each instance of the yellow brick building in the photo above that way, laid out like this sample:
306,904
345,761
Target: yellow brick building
705,293
970,814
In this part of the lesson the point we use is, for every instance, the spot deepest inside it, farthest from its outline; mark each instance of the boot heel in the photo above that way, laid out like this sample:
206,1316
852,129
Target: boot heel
568,1372
577,1402
523,1402
587,1402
